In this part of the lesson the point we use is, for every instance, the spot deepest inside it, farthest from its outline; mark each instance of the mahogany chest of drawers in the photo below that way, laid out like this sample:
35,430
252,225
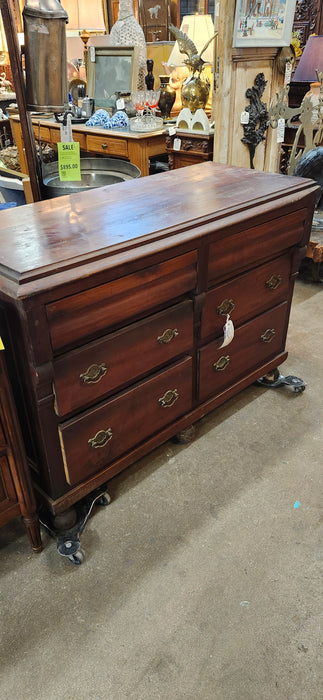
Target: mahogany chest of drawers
116,300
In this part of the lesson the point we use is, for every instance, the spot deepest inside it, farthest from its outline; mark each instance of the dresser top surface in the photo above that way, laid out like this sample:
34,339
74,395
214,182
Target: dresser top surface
50,236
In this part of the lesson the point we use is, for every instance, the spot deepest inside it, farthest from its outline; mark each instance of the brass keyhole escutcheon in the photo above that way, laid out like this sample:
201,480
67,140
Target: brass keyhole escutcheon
101,438
221,363
273,282
167,335
94,373
268,335
169,398
226,306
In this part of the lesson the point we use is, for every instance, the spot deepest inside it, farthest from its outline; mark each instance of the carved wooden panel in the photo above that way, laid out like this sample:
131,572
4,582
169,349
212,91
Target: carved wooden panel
308,19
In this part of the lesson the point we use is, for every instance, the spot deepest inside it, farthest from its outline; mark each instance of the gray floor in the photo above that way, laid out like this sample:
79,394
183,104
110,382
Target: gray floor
201,579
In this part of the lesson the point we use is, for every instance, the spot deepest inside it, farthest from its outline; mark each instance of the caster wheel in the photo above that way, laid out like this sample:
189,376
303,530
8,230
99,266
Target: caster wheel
104,500
77,558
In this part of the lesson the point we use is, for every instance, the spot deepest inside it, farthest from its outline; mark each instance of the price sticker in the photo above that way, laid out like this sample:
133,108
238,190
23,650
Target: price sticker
244,118
66,130
1,344
177,144
92,54
69,164
172,130
280,130
120,103
288,72
228,332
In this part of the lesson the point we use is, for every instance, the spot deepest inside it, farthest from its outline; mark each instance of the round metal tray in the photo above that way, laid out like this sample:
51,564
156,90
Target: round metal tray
95,172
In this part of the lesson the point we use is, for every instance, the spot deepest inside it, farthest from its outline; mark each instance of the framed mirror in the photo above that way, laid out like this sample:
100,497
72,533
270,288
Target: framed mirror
111,69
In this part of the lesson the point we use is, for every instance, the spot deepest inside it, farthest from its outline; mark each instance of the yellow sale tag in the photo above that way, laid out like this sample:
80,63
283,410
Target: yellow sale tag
1,344
69,164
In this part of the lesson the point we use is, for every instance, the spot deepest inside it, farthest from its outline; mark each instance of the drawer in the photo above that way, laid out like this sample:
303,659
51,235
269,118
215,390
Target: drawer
108,146
234,252
85,375
254,343
87,314
246,296
91,442
55,137
42,133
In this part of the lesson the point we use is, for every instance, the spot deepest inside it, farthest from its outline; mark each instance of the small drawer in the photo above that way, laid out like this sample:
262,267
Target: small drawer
254,343
42,133
84,376
55,137
109,146
90,313
246,296
240,250
91,442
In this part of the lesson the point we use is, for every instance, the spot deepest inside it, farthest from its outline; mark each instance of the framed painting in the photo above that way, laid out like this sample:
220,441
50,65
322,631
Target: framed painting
263,22
111,69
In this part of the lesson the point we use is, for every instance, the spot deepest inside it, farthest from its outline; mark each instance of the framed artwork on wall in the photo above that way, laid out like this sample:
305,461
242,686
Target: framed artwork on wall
263,22
111,69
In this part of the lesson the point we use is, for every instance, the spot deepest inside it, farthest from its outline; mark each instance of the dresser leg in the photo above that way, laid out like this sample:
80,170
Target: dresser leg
68,539
31,524
185,436
275,379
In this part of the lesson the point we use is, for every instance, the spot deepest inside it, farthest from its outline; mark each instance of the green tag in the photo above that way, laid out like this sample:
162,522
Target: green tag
69,164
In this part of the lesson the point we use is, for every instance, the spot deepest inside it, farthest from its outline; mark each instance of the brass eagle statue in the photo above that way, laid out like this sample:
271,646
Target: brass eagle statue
194,59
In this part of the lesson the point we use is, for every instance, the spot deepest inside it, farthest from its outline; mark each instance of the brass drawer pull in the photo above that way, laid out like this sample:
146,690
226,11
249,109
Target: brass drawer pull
222,363
169,398
167,335
94,373
225,307
273,282
101,438
268,335
104,145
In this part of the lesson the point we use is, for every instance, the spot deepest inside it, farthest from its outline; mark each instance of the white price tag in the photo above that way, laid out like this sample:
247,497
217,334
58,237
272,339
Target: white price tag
280,130
177,144
120,103
66,131
92,54
244,119
172,130
228,332
288,72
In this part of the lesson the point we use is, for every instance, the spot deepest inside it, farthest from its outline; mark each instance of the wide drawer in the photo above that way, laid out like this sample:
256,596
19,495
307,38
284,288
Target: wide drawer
253,343
89,313
235,252
85,375
91,442
246,296
108,146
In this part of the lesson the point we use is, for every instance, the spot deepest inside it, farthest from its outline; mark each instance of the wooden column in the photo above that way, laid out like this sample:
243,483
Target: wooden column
19,85
237,69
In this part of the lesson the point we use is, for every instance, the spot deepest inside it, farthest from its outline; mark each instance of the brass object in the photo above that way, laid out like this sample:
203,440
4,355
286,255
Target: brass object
169,398
101,438
273,282
222,363
268,335
94,373
167,335
104,146
226,306
195,89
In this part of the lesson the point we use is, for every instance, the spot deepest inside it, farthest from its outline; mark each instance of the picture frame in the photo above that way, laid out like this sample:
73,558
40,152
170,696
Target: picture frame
263,23
111,69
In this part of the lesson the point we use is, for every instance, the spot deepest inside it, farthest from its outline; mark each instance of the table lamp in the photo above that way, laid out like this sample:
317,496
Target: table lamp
309,66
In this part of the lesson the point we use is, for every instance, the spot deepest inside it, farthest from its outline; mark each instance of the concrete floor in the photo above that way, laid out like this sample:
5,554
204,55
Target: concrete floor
201,579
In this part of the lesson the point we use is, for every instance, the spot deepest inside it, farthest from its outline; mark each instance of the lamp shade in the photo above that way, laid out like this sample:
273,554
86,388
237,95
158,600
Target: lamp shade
311,60
84,14
199,28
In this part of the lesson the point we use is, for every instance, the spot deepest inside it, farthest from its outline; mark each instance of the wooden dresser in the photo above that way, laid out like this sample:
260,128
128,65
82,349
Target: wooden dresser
116,300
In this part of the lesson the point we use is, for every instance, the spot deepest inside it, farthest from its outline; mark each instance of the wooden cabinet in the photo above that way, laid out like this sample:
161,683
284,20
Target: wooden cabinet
117,300
194,148
16,492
